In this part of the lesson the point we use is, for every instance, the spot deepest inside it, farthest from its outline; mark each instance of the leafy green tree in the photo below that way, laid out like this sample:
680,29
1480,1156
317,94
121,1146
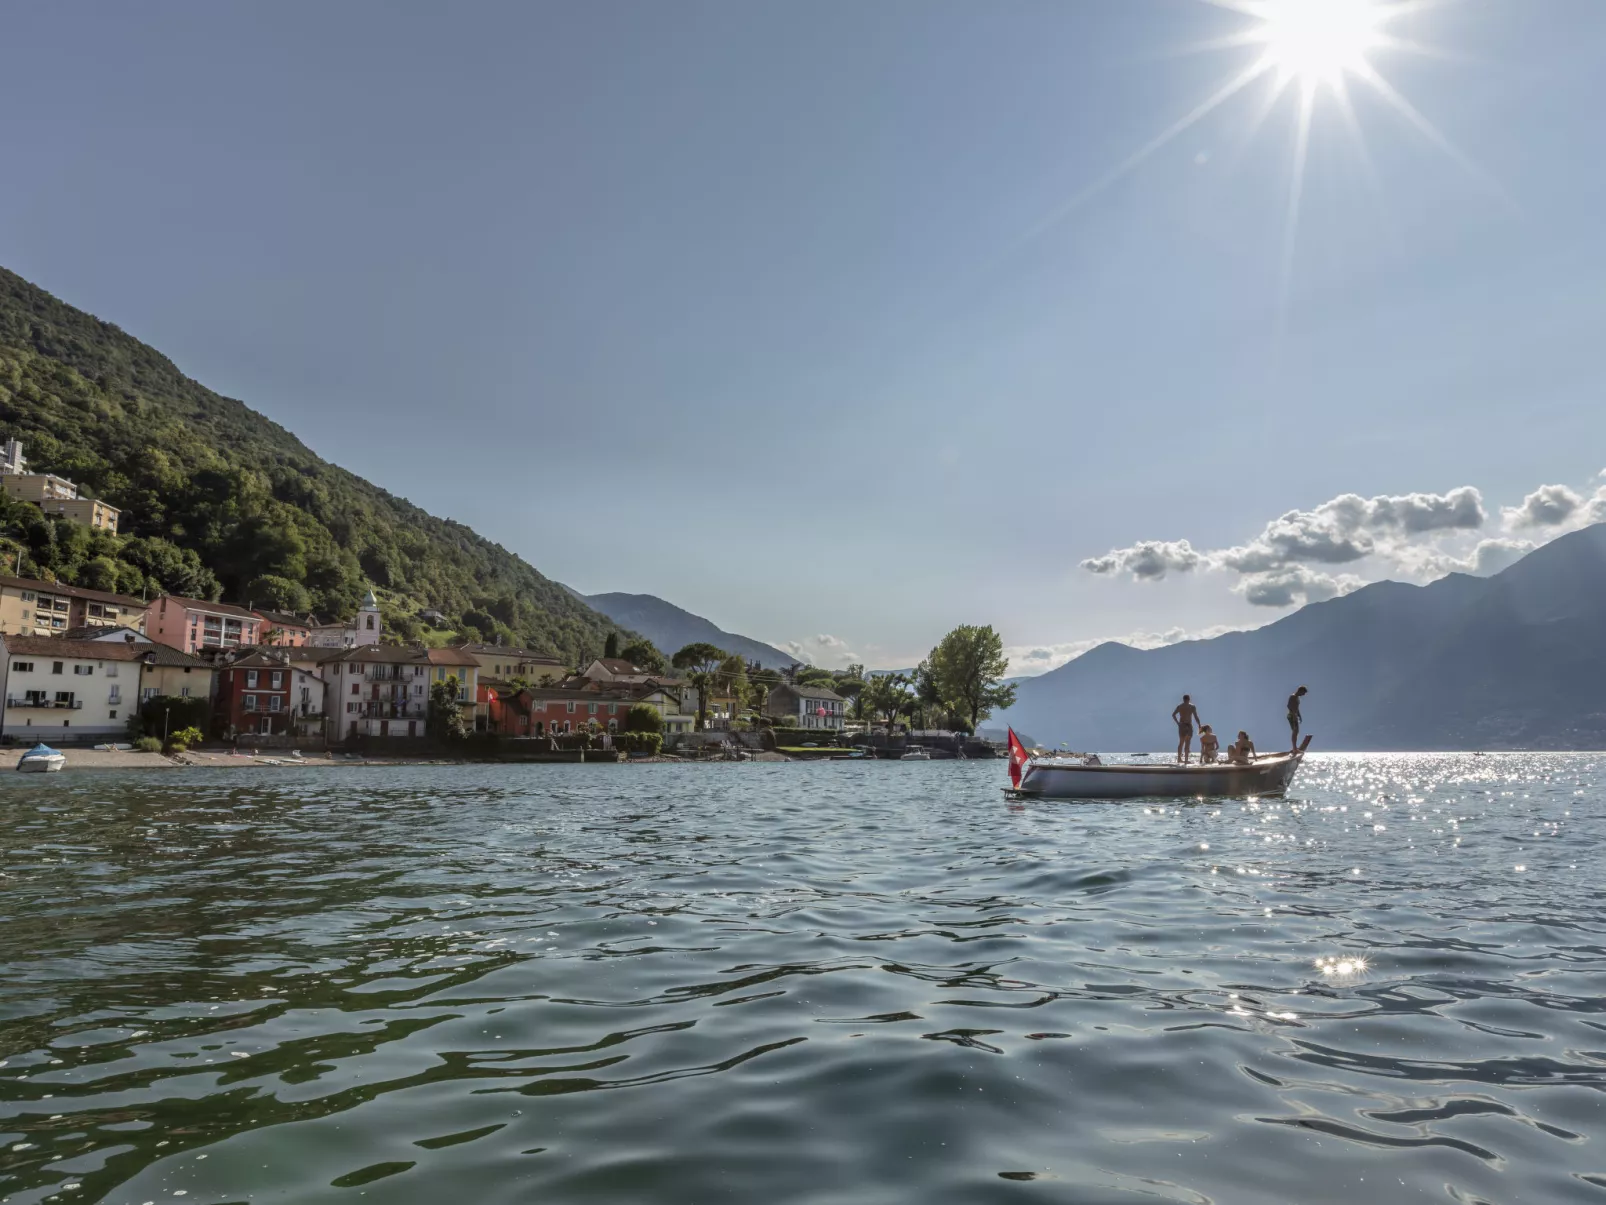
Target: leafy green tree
887,695
644,717
642,653
446,721
700,661
967,667
274,593
99,574
759,684
610,647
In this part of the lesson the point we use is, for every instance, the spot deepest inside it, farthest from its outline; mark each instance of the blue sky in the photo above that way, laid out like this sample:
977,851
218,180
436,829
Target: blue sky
777,309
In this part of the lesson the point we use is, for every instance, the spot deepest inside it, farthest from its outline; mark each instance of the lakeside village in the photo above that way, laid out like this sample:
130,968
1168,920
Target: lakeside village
83,667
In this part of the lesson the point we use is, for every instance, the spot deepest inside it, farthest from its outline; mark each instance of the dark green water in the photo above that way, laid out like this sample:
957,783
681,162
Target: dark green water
802,983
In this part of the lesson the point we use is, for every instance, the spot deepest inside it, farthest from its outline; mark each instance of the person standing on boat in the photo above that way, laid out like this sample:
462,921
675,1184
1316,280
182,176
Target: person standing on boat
1294,718
1186,715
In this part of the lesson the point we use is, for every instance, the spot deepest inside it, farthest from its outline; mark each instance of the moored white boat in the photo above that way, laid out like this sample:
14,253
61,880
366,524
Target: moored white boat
1057,778
41,759
915,753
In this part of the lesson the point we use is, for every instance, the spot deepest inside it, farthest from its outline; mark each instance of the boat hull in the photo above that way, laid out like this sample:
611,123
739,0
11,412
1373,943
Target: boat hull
1055,780
41,765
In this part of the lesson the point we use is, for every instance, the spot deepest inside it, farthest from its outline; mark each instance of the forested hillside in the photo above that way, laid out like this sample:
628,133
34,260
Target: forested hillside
220,502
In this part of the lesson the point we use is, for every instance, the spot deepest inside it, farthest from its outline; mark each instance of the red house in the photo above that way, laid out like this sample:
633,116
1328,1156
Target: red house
506,708
253,695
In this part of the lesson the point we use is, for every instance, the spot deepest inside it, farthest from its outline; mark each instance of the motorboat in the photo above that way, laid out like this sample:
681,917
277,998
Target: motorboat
41,759
914,753
1066,778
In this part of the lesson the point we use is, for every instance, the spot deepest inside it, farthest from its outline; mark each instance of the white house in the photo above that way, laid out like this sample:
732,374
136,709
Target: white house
66,691
806,706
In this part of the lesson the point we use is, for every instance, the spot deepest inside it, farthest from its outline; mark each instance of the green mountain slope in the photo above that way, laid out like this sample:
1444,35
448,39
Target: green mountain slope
218,501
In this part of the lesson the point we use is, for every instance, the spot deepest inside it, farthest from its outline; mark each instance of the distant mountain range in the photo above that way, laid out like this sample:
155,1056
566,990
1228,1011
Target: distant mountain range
671,627
1517,660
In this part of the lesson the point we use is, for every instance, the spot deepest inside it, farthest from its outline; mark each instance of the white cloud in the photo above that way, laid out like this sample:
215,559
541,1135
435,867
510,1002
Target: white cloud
1348,528
1547,506
1147,560
1292,584
1484,559
824,651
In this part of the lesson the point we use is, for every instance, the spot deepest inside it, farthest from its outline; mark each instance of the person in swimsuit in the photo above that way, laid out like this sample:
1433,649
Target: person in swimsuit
1242,751
1186,715
1293,717
1208,744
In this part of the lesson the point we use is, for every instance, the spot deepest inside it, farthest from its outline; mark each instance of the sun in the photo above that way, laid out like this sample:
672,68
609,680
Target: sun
1314,42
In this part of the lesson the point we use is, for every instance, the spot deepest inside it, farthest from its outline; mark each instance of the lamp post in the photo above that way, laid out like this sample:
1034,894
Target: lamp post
167,713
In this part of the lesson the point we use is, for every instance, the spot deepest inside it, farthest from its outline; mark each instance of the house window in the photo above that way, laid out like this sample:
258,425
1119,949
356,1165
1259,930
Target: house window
112,714
274,702
22,667
55,667
356,688
116,695
593,708
278,679
29,596
148,693
250,702
184,691
251,678
571,706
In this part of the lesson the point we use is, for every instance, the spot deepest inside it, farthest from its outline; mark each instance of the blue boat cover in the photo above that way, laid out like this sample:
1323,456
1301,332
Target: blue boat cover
42,750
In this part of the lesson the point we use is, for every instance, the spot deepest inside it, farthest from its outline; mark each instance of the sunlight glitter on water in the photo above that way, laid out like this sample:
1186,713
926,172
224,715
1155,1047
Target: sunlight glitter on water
832,983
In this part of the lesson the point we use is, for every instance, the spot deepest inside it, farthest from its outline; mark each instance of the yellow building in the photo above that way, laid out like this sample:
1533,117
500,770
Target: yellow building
86,512
506,664
170,673
34,608
53,495
39,487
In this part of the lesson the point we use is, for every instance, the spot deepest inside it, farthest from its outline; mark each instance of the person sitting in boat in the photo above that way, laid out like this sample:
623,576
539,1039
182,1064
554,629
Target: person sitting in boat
1242,751
1208,745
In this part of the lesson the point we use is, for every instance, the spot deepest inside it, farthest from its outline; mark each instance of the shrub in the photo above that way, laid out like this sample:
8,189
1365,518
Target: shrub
644,718
148,744
184,738
650,743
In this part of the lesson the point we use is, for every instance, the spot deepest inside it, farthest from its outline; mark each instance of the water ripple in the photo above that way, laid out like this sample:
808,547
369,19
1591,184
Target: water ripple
824,983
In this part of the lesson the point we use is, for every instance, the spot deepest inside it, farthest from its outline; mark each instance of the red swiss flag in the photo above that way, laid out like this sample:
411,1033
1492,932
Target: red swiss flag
1018,758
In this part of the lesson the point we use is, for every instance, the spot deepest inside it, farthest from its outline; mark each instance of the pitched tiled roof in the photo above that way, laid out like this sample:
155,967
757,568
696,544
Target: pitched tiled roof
391,654
103,632
66,591
200,604
450,656
516,654
811,692
160,654
279,620
79,650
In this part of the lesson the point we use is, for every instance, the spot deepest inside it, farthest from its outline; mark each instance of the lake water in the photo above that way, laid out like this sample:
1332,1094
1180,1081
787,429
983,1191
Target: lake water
837,983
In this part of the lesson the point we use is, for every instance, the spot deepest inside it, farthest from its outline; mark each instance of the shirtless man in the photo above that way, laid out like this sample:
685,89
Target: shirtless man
1186,715
1294,717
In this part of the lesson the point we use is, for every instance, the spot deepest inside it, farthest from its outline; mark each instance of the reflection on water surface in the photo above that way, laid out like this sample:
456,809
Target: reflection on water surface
825,983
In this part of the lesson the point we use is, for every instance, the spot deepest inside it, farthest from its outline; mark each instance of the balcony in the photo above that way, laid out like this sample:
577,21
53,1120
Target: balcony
47,704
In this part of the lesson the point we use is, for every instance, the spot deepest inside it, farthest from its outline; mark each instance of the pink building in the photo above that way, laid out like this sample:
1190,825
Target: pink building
192,624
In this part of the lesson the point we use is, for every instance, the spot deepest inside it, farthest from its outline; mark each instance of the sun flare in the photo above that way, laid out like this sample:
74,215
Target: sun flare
1315,42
